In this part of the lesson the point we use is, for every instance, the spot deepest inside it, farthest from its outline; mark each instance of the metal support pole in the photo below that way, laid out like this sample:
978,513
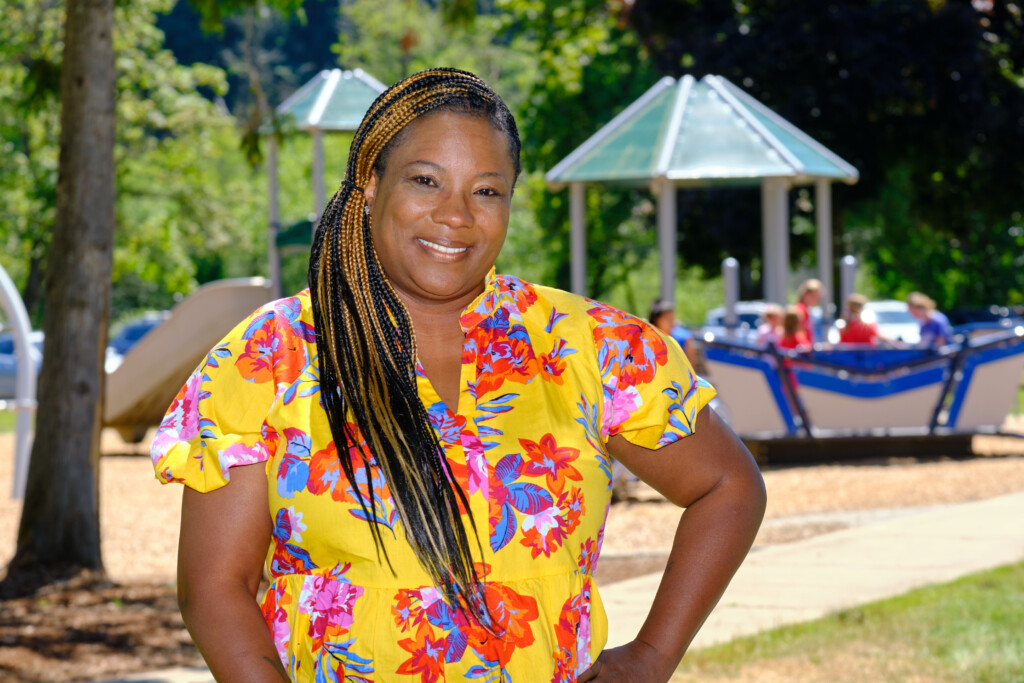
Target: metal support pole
775,232
823,219
667,238
24,403
731,280
319,193
274,226
578,237
847,280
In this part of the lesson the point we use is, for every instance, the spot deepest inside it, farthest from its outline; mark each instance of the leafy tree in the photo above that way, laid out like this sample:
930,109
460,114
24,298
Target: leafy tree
59,531
59,528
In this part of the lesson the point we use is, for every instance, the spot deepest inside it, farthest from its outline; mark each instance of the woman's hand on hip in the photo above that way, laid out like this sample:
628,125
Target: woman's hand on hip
634,662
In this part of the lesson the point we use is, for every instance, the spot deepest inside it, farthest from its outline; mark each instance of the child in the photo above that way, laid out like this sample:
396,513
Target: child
856,331
793,334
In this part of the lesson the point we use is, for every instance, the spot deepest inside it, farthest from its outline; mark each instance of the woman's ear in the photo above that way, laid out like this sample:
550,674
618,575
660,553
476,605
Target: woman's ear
370,191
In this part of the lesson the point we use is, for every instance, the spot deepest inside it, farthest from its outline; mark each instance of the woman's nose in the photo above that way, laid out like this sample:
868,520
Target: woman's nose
453,211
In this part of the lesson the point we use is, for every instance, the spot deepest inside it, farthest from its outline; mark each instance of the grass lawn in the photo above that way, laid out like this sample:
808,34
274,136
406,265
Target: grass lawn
968,630
7,421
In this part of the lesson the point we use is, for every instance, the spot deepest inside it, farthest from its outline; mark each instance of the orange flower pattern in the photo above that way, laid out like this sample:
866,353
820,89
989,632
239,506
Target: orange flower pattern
546,379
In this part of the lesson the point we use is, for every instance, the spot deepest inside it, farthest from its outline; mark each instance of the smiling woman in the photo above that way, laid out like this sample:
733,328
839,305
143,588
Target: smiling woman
440,208
417,450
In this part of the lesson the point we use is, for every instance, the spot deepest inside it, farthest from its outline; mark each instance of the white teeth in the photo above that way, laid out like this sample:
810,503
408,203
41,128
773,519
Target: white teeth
442,249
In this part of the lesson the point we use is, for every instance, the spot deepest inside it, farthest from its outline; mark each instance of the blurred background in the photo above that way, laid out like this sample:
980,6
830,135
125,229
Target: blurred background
924,97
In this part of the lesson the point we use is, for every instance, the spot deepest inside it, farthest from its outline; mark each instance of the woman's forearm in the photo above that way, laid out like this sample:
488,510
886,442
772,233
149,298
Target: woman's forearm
712,539
226,625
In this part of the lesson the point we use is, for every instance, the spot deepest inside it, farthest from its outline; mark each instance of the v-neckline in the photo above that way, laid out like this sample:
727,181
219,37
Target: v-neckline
427,387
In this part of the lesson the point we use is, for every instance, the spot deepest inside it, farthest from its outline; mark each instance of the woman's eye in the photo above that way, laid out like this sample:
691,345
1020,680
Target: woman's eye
423,180
488,192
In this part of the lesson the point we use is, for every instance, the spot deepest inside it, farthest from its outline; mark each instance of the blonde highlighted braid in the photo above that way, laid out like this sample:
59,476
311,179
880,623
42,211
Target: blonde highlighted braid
367,345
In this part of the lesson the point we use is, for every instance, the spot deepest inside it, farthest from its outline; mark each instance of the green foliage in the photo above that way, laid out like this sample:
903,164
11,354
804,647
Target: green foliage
904,251
215,12
186,198
182,189
295,195
30,46
392,39
968,630
8,421
587,68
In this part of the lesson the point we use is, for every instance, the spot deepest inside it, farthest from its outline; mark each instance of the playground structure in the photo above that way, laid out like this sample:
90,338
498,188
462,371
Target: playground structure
24,403
848,400
139,390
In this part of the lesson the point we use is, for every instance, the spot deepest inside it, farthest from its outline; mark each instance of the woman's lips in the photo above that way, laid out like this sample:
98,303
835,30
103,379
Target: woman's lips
442,249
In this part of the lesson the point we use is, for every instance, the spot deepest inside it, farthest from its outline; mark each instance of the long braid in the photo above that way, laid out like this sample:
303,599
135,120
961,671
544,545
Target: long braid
367,345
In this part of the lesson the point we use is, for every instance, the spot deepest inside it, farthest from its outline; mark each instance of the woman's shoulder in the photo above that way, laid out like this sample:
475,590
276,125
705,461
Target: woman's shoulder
293,312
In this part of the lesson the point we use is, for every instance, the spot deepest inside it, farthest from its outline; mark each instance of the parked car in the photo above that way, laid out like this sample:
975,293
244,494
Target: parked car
894,320
129,335
9,362
749,317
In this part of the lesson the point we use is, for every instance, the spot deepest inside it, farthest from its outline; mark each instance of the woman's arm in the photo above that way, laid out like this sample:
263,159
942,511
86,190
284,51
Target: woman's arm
712,474
224,539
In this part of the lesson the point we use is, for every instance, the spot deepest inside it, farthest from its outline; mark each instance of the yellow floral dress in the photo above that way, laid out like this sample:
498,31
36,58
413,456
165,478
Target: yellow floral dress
547,377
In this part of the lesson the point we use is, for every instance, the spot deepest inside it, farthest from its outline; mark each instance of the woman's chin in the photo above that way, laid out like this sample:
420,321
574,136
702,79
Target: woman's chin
441,290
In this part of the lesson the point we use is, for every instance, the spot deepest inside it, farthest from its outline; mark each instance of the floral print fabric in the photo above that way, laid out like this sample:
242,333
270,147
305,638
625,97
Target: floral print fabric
546,379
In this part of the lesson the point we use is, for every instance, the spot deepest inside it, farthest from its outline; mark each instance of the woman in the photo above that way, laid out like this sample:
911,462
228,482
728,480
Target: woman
808,295
663,317
936,330
437,512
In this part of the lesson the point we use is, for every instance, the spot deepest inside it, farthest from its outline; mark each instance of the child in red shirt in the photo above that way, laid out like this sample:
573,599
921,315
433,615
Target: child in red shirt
856,331
793,334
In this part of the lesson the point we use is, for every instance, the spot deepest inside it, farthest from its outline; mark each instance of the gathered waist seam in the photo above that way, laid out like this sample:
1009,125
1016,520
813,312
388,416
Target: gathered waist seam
541,577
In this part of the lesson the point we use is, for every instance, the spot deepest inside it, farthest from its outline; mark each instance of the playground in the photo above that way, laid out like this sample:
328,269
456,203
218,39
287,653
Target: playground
82,630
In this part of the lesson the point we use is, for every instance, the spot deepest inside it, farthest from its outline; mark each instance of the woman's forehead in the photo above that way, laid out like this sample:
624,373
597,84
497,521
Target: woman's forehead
450,133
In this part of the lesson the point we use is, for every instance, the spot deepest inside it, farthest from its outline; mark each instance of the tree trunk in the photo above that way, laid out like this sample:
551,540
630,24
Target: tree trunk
59,533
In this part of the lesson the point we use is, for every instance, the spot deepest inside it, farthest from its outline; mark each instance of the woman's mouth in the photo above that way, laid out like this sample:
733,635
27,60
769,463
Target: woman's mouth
448,251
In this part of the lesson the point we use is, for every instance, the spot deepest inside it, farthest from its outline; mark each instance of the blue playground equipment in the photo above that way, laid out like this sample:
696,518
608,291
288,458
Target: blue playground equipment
852,400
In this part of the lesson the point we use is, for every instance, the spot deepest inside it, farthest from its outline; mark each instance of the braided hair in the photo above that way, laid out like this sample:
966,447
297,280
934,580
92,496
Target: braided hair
367,344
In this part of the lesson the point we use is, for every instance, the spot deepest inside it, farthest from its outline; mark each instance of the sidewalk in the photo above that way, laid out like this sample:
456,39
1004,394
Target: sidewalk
796,582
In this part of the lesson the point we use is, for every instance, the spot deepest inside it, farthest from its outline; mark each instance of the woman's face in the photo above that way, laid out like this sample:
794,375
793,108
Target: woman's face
440,210
812,297
665,321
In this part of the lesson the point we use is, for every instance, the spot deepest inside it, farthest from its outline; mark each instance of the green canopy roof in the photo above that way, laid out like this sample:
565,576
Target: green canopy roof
333,100
698,133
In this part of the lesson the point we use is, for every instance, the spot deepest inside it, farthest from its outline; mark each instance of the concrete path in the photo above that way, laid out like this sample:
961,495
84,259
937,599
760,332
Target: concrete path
795,582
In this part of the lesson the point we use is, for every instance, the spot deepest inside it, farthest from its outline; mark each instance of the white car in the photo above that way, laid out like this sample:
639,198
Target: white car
749,314
894,320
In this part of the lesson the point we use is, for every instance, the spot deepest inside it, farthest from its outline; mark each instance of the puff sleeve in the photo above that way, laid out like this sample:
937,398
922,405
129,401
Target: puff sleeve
651,393
217,420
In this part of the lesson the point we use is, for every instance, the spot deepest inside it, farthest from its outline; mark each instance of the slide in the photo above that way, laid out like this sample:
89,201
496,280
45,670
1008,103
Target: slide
140,389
